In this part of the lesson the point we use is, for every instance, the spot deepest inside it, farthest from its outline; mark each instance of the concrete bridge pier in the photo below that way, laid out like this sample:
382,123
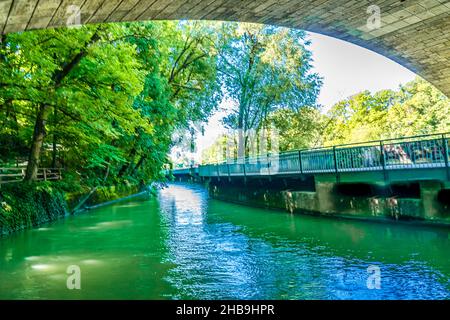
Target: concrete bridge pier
429,193
326,198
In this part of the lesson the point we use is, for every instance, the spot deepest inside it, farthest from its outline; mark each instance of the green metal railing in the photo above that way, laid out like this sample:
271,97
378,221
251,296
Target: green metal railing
424,151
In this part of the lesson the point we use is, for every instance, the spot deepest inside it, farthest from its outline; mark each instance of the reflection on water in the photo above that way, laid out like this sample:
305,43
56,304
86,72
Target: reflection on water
184,245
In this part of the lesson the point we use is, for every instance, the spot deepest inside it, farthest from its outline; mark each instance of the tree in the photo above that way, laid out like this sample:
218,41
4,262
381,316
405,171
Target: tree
416,108
420,108
103,100
190,67
264,68
183,83
358,118
300,129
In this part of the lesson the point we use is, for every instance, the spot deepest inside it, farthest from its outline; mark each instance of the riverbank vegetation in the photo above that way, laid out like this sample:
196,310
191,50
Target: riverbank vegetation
102,101
27,205
30,204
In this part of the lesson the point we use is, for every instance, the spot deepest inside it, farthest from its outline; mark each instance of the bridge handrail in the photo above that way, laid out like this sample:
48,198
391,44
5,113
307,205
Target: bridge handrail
339,146
430,150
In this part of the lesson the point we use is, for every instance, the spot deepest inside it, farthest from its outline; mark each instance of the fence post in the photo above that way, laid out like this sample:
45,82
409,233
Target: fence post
446,160
228,169
300,161
336,164
45,174
383,161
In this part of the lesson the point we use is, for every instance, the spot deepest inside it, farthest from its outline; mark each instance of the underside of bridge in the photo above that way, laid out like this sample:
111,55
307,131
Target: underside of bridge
414,33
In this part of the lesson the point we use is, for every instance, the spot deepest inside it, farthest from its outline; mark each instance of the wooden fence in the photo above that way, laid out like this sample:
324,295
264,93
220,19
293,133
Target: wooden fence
17,174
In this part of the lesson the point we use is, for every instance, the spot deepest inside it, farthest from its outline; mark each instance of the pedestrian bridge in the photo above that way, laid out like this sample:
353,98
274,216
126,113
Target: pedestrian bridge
415,158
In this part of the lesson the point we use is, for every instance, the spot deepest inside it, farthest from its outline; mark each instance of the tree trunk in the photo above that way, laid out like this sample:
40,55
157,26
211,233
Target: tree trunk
54,143
241,133
36,144
54,152
140,162
126,166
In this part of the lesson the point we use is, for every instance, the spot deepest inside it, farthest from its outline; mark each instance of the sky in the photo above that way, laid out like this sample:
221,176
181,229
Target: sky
346,69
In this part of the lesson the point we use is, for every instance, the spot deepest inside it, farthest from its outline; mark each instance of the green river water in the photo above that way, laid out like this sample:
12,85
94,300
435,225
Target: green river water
183,245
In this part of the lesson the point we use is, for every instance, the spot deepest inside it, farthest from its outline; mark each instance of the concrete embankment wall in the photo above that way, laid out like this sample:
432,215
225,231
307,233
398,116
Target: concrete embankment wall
426,203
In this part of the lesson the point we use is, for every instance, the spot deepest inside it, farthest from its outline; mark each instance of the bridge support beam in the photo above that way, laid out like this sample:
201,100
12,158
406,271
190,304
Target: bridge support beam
429,191
326,198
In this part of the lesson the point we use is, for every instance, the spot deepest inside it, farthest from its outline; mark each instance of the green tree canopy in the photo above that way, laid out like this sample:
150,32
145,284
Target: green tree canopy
416,108
264,68
104,100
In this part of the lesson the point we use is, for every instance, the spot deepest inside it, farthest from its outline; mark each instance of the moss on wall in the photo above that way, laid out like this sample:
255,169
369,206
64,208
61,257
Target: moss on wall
25,205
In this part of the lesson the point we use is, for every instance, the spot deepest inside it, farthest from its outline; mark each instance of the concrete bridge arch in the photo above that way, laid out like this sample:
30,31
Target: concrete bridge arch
414,33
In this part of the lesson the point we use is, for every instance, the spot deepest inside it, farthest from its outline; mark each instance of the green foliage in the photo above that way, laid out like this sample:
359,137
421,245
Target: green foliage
105,194
190,67
264,68
108,97
11,146
29,204
100,195
298,129
416,108
71,183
